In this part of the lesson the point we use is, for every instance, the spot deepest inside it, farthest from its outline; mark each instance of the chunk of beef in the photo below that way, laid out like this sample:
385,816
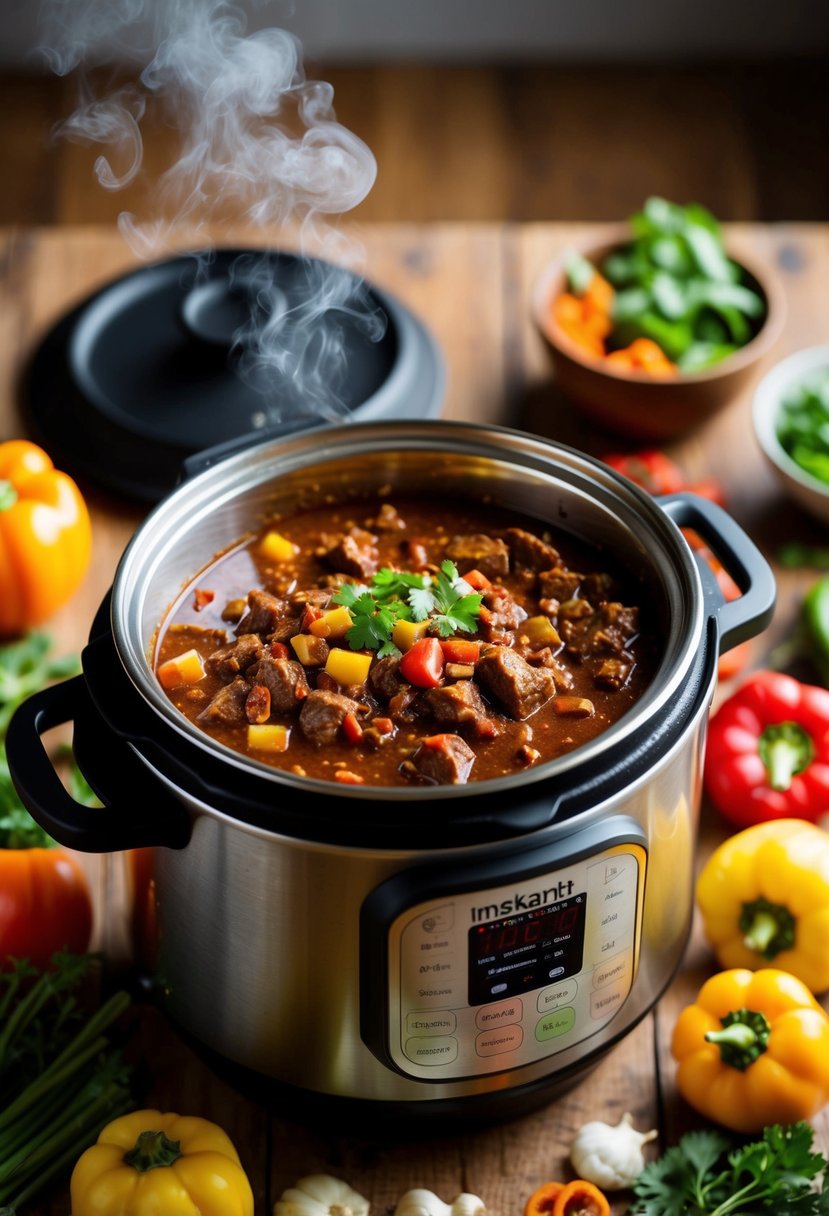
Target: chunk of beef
401,703
384,677
228,705
605,631
228,661
388,519
559,583
530,551
454,704
489,554
264,613
614,672
417,557
510,680
599,587
505,614
355,553
317,597
285,681
443,759
322,715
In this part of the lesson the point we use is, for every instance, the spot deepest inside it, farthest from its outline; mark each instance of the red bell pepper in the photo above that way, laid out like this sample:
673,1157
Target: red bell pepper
422,664
768,751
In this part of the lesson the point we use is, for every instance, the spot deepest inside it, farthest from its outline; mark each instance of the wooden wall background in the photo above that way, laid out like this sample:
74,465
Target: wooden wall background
501,142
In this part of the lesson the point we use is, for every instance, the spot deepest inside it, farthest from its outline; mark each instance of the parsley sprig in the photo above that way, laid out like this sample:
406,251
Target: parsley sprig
706,1175
395,595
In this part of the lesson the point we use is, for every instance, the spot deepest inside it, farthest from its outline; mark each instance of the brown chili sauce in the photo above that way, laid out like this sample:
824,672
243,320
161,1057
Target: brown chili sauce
561,647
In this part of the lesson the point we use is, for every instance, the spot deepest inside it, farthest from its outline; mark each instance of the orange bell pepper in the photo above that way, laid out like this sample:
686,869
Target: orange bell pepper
753,1050
45,537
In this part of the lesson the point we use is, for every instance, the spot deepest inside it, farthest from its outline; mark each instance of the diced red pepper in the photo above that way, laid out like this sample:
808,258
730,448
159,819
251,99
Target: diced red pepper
202,597
352,729
438,743
384,725
279,650
460,650
422,664
310,613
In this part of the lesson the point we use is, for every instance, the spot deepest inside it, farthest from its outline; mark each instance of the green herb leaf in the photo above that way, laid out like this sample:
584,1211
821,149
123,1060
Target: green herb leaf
396,595
708,1175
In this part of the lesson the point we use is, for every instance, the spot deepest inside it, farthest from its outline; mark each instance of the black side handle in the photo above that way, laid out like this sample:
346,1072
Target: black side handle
749,615
141,811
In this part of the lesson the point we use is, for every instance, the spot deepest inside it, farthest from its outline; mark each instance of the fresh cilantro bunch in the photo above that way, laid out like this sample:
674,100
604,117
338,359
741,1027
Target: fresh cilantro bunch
706,1175
395,595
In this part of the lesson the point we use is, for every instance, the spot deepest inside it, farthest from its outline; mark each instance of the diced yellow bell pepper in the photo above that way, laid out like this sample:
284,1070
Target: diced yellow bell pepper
404,634
541,631
268,738
300,643
186,668
334,623
277,547
348,666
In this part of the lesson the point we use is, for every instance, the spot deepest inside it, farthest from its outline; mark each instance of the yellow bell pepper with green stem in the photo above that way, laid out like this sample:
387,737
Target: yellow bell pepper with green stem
753,1050
147,1163
764,898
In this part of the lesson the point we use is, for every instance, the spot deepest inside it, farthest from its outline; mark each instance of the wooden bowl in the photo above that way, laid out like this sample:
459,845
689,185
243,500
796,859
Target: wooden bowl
632,403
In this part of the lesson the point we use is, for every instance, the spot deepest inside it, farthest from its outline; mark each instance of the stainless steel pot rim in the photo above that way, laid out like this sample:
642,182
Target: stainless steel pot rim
198,500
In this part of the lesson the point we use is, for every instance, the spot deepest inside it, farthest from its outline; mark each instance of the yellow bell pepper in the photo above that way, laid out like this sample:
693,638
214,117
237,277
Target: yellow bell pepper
764,898
753,1050
45,537
146,1163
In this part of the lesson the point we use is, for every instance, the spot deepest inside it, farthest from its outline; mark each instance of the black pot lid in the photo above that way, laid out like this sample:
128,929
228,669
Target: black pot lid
160,363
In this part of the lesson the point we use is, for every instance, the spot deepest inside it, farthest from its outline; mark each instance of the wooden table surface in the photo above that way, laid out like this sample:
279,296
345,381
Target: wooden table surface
471,284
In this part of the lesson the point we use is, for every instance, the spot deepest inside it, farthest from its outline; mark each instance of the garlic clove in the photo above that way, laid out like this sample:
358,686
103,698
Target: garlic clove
608,1155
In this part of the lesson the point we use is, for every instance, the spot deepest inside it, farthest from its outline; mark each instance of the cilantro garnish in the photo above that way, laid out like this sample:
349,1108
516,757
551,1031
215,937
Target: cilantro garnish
708,1174
395,595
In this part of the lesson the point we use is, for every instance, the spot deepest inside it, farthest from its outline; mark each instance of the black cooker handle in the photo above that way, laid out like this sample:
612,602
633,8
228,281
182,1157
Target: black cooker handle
145,814
747,616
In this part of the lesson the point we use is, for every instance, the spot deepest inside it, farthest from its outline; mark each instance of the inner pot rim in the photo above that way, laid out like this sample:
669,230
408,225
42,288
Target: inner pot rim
573,472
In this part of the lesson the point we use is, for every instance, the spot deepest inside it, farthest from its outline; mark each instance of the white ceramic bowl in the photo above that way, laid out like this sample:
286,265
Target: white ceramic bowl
806,490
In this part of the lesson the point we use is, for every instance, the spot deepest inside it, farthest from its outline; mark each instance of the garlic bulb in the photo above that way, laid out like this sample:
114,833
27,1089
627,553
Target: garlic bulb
426,1203
610,1156
320,1195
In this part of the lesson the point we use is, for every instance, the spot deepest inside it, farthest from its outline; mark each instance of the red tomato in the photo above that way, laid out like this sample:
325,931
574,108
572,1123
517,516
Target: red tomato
423,664
658,474
44,905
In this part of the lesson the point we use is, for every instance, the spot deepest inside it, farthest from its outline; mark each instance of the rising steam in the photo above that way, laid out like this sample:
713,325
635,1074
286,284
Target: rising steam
258,143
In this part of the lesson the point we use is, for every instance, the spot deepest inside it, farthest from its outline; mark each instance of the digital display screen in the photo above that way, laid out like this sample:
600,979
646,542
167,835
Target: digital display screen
520,953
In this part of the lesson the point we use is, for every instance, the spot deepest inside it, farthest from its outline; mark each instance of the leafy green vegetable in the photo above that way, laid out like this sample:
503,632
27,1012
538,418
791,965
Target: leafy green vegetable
707,1174
676,285
803,425
395,595
61,1079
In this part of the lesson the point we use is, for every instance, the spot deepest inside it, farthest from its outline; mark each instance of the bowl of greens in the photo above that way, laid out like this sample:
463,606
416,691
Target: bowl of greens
656,325
791,423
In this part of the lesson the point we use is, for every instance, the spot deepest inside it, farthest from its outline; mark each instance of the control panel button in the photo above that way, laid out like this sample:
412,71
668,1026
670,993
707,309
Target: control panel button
494,1042
556,995
427,1022
559,1022
498,1015
613,971
431,1051
605,1001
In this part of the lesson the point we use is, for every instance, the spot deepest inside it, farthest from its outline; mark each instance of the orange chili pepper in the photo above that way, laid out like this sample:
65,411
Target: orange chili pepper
580,1198
542,1200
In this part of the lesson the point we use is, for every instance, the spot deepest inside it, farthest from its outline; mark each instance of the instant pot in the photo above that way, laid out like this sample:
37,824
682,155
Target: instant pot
425,949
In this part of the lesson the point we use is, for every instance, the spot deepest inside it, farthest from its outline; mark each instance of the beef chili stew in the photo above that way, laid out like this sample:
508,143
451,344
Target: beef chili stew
403,641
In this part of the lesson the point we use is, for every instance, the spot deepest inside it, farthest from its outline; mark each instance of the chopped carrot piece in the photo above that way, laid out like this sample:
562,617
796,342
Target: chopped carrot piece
477,581
599,294
460,650
384,725
202,597
567,309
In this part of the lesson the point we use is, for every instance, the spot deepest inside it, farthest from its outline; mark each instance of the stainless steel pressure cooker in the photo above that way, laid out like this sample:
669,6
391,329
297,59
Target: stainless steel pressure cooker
361,943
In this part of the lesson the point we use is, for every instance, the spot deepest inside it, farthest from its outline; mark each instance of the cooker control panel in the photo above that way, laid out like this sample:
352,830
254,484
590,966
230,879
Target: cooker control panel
490,979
